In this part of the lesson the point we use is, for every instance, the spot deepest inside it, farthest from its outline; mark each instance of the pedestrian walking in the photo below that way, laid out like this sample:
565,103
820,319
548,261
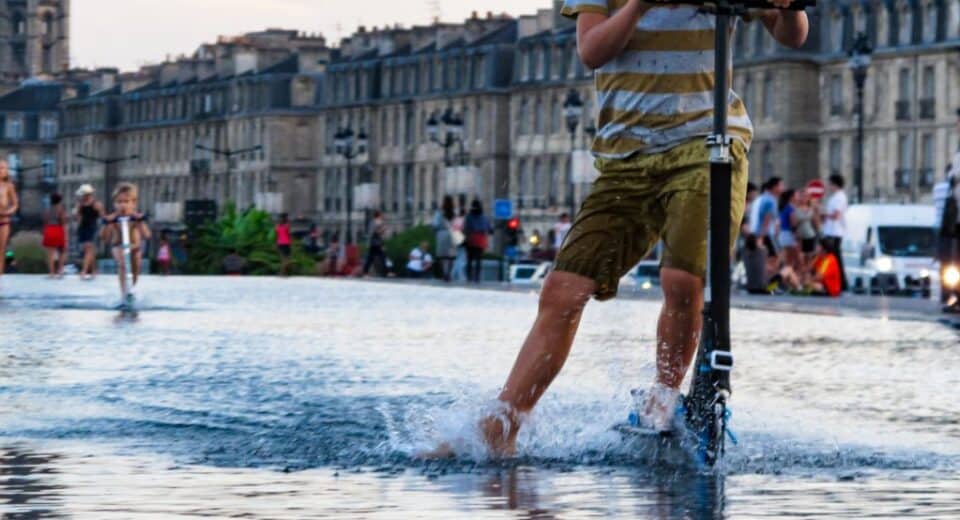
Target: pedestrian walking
444,237
164,255
835,223
788,225
376,255
459,271
477,229
88,213
282,232
54,236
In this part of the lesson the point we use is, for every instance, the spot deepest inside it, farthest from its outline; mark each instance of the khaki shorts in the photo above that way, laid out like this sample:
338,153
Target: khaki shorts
641,200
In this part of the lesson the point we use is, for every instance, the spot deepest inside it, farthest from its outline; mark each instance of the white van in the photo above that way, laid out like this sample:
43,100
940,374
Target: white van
890,248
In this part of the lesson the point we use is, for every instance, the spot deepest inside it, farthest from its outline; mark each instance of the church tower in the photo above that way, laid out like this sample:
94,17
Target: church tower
34,39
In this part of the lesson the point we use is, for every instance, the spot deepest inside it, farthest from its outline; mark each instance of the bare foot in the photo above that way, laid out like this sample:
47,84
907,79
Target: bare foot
501,441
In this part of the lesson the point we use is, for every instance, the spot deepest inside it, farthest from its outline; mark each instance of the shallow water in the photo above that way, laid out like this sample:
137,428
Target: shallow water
270,398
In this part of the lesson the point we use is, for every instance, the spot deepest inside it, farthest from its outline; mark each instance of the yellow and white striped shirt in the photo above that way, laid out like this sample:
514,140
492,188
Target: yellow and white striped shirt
658,93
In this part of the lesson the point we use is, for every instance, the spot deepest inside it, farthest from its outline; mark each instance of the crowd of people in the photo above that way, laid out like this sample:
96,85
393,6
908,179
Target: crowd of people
791,239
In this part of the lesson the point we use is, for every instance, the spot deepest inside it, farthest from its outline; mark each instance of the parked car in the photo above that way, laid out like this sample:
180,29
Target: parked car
529,273
891,248
643,277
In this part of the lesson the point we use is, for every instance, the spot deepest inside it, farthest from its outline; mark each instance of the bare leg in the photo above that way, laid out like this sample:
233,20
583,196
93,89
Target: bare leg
135,261
88,259
121,270
544,352
51,262
61,260
4,236
678,330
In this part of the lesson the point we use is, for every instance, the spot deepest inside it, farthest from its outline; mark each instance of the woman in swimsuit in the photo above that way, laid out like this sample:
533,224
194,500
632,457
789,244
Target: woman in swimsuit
8,208
88,212
55,236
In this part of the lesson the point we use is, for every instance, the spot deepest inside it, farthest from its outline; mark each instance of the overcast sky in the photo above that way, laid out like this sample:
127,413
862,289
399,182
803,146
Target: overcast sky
129,33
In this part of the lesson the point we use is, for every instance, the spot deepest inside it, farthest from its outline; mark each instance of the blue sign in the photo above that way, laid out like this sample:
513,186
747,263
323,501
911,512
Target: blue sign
502,209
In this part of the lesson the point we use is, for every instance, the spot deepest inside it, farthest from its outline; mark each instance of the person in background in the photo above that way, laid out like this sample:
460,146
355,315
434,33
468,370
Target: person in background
419,262
282,231
835,223
164,255
764,222
459,271
55,236
234,264
88,213
8,208
827,276
376,256
332,260
477,230
788,225
808,221
125,201
443,234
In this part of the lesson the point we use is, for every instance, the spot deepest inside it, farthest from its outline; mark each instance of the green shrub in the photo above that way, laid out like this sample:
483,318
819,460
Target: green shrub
251,234
31,257
398,246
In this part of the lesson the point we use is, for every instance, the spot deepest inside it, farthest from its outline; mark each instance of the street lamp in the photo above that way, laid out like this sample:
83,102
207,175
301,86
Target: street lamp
859,63
350,146
448,132
572,112
108,162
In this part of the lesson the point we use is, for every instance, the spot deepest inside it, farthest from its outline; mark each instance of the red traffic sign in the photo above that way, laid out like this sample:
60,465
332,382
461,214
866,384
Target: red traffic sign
816,189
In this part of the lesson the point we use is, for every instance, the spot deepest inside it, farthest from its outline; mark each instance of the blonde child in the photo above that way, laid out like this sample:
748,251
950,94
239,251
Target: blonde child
125,198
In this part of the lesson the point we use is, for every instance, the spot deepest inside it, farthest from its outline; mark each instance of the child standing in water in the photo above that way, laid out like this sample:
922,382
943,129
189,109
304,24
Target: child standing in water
125,198
8,208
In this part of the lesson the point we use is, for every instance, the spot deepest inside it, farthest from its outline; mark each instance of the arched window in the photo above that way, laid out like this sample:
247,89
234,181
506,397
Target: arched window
47,26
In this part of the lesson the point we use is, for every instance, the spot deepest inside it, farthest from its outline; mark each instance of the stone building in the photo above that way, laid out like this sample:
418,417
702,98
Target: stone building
803,101
235,121
34,40
390,83
28,142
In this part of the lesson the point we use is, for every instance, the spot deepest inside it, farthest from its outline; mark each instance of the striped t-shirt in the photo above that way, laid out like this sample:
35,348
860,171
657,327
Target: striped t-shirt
658,93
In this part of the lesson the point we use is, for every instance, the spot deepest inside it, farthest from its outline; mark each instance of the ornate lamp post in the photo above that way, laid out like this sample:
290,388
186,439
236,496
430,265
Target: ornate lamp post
350,146
448,132
859,64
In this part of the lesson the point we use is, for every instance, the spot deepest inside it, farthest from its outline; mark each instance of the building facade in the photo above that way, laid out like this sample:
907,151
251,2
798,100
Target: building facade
34,40
29,119
234,122
498,86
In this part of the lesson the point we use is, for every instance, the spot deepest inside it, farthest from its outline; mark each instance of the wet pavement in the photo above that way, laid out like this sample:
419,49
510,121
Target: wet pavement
307,398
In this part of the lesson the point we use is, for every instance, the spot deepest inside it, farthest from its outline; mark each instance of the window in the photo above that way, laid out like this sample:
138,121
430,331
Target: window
573,60
534,64
556,63
479,75
522,181
836,157
553,179
768,162
522,117
538,117
928,101
905,93
931,25
768,97
539,184
759,37
478,122
905,161
556,116
836,95
49,168
927,168
748,92
542,63
48,129
14,129
19,25
906,25
524,64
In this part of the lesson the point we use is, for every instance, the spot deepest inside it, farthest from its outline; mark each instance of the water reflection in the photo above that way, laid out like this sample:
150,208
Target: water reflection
28,487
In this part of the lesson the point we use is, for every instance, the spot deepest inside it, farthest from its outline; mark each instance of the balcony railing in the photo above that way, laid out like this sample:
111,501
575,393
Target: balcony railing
903,110
927,177
928,109
903,178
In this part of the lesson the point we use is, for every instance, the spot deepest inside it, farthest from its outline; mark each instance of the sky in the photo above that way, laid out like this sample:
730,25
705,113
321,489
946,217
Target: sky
130,33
